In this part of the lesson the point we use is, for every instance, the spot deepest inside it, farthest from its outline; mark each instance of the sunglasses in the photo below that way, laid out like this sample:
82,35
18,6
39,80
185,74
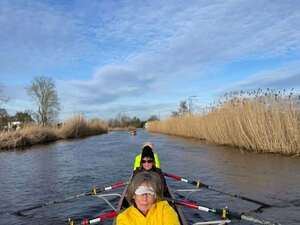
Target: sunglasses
147,161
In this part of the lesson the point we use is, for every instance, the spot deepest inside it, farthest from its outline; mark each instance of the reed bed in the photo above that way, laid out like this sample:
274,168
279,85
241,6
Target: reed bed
76,127
268,122
27,136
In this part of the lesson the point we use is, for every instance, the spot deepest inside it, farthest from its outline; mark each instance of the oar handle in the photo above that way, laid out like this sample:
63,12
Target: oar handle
95,190
197,183
96,220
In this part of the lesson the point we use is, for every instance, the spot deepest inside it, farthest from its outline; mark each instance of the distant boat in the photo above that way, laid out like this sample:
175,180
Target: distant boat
132,132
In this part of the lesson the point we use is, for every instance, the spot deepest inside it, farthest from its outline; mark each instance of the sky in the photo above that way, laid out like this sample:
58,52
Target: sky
141,58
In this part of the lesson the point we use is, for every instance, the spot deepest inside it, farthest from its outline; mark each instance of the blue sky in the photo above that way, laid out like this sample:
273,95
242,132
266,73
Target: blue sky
144,57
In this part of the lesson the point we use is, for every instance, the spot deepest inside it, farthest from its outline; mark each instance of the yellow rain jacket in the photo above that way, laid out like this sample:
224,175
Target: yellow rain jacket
137,161
161,213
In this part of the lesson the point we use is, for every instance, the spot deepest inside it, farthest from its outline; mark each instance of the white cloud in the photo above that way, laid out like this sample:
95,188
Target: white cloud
150,44
287,76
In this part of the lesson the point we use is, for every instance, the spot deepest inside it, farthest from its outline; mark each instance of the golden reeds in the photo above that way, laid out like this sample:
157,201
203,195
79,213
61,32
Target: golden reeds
267,122
27,136
76,127
80,127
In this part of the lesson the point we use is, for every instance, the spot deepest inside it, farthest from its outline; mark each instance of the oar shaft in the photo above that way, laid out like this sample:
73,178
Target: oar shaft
258,221
94,191
97,219
200,184
265,205
111,187
178,178
224,213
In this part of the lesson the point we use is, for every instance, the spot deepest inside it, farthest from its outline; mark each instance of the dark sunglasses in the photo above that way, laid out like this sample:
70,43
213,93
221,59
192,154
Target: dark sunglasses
148,161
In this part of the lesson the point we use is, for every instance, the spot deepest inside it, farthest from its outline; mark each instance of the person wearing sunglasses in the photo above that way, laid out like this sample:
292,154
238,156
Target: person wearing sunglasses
147,147
144,194
148,163
147,159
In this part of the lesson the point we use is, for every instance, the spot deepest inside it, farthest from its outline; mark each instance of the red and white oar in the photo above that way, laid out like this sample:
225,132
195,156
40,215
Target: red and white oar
223,212
96,220
93,191
200,184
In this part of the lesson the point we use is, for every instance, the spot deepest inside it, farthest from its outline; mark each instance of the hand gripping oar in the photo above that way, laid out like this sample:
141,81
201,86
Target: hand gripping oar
96,220
93,191
199,184
224,213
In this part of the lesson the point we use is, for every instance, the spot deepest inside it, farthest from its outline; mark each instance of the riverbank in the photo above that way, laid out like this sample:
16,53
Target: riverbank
121,128
267,123
77,127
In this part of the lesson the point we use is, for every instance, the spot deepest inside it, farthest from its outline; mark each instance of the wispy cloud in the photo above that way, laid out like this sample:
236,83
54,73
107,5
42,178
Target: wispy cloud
35,35
143,49
287,76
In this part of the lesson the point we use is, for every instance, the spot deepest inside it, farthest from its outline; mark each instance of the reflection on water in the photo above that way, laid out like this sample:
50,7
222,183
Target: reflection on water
51,172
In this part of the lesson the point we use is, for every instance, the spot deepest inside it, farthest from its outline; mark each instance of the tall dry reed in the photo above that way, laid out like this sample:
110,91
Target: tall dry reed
76,127
268,122
27,136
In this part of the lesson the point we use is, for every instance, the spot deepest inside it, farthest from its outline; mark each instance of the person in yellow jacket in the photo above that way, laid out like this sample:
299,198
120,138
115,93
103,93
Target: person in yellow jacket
148,162
138,159
144,193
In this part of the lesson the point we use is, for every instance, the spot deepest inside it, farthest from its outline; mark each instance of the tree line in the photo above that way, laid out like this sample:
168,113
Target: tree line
124,121
42,91
5,118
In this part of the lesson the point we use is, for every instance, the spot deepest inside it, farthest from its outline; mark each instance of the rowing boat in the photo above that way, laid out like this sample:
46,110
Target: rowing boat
123,204
132,132
225,214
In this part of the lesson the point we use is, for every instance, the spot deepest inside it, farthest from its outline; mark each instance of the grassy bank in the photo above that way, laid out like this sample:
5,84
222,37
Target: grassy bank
269,122
130,128
76,127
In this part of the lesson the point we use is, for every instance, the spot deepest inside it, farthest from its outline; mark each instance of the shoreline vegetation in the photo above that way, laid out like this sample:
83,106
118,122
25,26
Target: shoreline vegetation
256,121
129,128
76,127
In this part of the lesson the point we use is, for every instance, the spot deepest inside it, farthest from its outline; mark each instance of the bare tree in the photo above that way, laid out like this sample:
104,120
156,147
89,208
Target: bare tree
4,117
3,98
153,118
43,92
182,109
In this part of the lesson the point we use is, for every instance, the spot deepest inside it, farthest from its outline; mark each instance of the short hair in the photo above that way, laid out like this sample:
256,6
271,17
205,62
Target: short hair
148,177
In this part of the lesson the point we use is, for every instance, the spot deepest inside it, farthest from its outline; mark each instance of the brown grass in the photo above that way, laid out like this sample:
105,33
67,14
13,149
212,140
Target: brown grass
129,128
265,123
27,136
76,127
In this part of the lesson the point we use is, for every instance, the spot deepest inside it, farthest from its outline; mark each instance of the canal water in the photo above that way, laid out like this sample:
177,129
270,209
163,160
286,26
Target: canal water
53,172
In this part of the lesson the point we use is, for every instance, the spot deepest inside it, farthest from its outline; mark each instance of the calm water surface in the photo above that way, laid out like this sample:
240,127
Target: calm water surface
56,171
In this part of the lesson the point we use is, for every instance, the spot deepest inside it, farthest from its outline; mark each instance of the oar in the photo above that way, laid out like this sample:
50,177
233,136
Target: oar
199,184
94,191
224,213
96,220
